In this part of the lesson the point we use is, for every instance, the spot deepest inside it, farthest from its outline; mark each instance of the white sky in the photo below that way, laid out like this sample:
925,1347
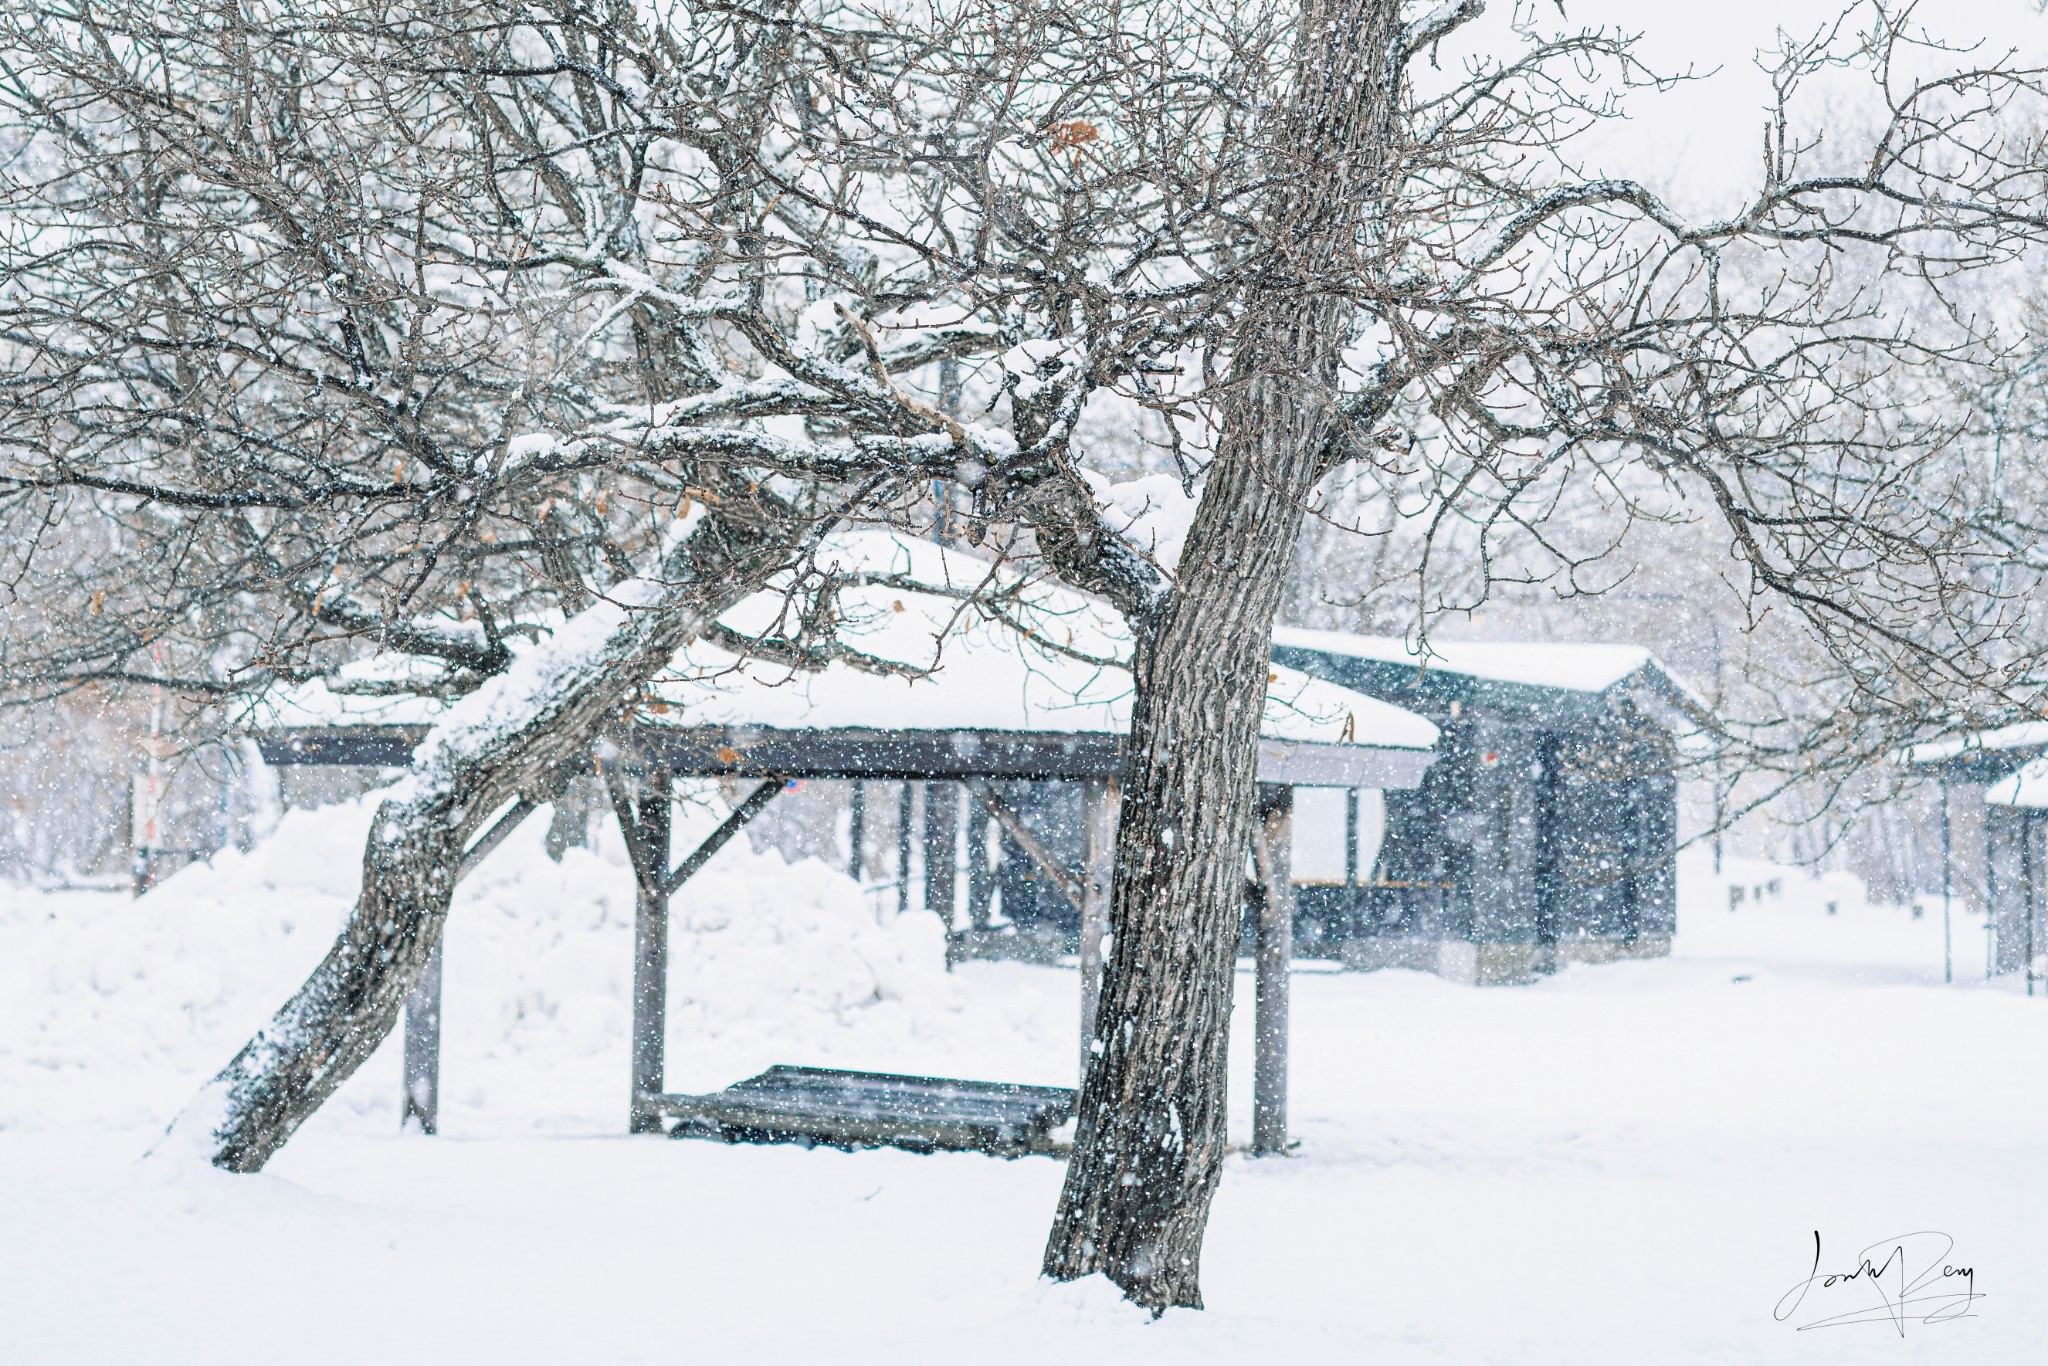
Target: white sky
1700,144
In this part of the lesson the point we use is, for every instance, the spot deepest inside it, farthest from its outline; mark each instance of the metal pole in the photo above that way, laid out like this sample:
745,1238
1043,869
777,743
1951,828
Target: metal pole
1947,954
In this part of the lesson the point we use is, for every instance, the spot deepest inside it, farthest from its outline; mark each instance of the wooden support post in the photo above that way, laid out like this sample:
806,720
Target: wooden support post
903,815
646,816
1273,952
422,1103
856,828
942,856
981,874
1034,848
1351,869
650,809
736,820
1099,830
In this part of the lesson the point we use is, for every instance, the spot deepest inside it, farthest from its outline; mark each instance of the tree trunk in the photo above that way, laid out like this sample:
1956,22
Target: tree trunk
513,736
1150,1140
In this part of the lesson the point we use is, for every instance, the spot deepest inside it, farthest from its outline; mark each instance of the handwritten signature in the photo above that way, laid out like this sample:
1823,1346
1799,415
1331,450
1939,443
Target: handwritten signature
1898,1280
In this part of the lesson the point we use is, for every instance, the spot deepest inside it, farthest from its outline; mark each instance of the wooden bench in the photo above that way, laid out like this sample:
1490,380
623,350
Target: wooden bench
874,1109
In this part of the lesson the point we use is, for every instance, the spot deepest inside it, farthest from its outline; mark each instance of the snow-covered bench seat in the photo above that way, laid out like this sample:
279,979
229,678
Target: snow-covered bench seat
875,1109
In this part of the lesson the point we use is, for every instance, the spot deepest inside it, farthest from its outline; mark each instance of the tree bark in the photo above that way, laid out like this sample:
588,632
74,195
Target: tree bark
1150,1139
512,737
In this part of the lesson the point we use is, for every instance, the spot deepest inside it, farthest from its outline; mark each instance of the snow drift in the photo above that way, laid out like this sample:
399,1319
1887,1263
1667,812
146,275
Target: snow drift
112,1011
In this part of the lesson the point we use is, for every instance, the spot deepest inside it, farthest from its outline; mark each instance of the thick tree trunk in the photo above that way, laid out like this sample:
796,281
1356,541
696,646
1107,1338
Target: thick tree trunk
1150,1141
513,736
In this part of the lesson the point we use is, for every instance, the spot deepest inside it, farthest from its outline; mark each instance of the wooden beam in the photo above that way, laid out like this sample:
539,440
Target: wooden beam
645,819
856,828
868,752
1099,831
903,843
1034,849
495,836
942,856
619,787
342,746
816,1104
864,752
756,802
1273,952
981,874
1350,837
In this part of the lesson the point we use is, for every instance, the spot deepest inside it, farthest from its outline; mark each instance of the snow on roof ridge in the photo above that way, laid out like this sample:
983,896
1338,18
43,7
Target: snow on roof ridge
2021,735
2027,788
1575,666
1048,676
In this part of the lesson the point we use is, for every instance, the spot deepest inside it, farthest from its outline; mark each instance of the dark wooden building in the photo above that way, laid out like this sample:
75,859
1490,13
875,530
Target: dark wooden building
1995,809
2016,867
1546,832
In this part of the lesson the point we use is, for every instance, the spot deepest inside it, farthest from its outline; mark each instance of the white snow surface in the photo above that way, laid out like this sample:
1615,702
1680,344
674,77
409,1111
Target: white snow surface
2025,735
1153,512
1622,1164
1053,664
149,996
1577,667
2028,787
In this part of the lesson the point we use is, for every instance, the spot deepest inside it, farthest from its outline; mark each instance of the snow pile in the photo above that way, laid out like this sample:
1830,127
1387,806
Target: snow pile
1032,367
113,1011
1775,923
1153,512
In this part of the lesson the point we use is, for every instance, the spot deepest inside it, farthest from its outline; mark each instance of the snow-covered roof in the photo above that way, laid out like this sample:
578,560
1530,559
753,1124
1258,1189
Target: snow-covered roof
1574,667
2028,787
1051,661
2026,735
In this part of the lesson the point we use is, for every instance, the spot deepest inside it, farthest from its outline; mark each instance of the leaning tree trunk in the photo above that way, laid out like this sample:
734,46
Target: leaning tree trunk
512,737
1149,1145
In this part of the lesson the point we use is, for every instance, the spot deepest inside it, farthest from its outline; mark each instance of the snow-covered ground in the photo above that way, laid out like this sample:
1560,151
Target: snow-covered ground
1623,1164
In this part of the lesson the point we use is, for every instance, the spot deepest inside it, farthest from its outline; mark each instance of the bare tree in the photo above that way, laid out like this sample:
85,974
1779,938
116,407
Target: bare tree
420,331
1431,284
424,323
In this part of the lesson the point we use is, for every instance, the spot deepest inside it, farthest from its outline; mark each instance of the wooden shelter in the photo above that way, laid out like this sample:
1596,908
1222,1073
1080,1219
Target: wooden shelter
1995,823
1034,695
1546,833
